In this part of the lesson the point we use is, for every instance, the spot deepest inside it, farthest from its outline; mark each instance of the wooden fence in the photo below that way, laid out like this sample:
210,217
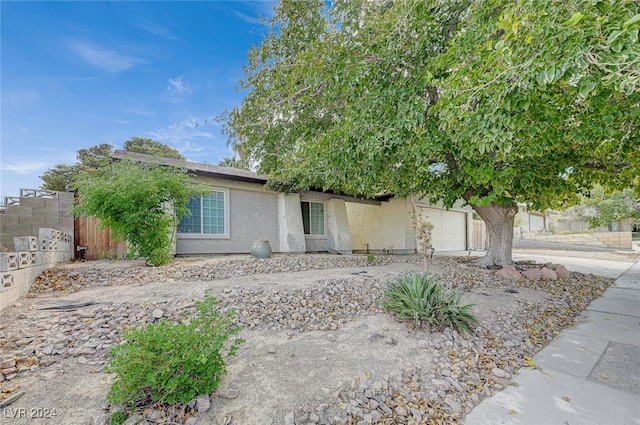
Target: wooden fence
479,235
94,243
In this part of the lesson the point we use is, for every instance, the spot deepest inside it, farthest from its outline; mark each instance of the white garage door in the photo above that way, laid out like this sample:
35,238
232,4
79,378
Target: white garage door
449,229
536,223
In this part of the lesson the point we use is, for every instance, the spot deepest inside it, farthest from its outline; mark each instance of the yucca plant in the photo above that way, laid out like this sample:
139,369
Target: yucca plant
421,299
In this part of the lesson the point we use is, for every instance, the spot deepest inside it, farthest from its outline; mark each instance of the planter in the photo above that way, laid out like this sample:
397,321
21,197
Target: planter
261,249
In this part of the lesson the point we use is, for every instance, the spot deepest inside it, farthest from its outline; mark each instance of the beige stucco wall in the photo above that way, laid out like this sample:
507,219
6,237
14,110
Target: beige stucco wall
381,227
388,227
253,215
259,214
290,227
337,235
337,227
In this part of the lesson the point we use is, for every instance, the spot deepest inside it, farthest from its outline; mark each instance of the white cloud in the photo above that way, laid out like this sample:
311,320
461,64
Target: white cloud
250,19
189,136
23,167
107,60
178,87
158,30
258,10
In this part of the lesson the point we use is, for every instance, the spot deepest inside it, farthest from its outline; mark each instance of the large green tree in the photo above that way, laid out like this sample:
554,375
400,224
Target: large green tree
89,160
493,101
151,147
93,160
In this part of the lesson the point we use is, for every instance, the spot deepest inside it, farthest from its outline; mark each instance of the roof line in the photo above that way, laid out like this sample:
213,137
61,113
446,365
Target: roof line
235,174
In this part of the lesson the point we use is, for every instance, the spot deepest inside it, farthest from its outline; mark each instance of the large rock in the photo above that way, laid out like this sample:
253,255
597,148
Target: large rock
509,272
562,272
203,403
548,274
533,274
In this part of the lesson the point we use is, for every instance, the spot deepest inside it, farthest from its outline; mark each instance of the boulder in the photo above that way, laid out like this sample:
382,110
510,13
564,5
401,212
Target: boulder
562,272
509,272
533,274
548,274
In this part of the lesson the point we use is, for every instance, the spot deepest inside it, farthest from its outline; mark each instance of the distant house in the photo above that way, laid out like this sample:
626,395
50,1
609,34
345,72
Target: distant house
239,210
532,221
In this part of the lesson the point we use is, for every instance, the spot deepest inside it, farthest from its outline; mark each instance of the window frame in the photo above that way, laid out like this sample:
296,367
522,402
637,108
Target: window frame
324,219
227,232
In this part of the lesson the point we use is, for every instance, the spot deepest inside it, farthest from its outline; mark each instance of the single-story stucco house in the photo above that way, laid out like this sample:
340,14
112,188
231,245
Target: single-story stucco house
239,210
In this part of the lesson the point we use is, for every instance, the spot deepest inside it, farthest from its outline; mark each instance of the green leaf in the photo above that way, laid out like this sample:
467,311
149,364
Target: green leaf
549,74
633,21
614,36
585,88
575,18
617,46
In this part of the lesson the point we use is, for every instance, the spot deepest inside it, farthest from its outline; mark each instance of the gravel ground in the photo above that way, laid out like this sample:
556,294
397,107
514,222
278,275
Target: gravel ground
319,348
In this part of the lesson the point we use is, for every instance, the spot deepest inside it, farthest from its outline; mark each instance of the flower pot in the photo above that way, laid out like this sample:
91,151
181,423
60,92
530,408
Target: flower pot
261,249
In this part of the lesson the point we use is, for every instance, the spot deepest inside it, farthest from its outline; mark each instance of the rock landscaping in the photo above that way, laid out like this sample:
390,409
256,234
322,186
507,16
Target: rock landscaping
520,310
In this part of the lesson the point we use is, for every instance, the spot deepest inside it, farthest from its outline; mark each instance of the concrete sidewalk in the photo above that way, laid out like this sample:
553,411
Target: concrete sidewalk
590,374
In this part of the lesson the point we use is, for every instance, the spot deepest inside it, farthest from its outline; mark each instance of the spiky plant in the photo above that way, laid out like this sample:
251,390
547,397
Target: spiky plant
421,299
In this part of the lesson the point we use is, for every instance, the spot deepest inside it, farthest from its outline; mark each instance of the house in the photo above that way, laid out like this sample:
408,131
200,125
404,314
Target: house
531,221
240,210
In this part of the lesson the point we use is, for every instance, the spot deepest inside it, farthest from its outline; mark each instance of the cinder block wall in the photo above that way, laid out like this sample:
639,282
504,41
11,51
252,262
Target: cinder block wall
620,240
33,255
32,210
36,234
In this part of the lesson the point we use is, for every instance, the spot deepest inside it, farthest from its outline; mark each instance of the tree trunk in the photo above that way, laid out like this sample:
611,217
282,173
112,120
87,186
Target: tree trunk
499,220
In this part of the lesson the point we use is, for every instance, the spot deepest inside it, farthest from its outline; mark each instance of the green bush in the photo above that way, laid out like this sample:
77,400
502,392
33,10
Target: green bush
141,203
172,362
420,298
117,418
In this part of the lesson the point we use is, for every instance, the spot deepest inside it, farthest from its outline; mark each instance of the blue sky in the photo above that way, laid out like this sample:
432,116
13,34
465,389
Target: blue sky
77,74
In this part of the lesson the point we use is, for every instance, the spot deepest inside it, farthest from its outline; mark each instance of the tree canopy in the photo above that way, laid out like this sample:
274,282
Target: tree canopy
93,160
151,147
494,101
90,160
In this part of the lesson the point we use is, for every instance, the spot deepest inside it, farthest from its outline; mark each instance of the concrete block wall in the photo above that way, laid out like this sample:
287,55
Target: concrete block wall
620,240
19,269
32,210
568,238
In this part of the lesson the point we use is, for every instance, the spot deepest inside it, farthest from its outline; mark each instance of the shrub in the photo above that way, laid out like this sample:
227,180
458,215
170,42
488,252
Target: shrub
141,203
117,418
172,362
420,298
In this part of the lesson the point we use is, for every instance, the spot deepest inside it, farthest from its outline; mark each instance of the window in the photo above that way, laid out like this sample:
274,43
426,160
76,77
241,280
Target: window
313,218
208,215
